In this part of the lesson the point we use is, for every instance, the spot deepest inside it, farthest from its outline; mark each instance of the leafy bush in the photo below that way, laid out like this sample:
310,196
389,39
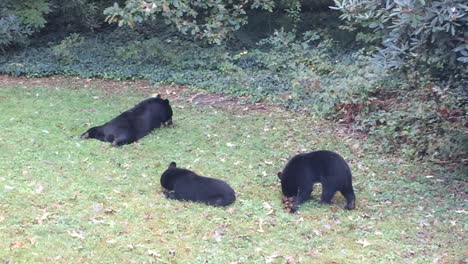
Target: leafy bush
427,123
11,31
77,15
63,51
145,51
416,35
18,22
30,12
423,44
211,20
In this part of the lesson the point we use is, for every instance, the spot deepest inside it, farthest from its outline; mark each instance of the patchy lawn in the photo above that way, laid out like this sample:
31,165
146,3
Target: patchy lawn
67,200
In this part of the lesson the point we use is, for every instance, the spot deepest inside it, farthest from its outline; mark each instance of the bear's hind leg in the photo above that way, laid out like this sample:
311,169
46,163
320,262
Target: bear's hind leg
121,140
348,193
327,194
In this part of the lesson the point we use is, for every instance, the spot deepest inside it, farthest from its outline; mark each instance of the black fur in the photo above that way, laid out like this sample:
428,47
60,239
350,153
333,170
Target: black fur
323,166
134,123
182,184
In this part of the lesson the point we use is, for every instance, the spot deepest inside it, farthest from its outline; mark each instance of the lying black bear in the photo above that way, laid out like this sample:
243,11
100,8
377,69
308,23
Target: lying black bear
134,123
182,184
326,167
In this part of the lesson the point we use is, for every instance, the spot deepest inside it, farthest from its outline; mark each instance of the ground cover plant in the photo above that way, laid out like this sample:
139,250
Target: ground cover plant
67,200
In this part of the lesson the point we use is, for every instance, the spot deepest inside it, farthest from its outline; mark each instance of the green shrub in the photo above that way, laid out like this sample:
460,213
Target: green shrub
18,22
30,12
416,35
64,50
12,32
426,123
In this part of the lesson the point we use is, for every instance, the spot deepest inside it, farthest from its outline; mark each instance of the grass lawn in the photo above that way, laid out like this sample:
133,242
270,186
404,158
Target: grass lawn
66,200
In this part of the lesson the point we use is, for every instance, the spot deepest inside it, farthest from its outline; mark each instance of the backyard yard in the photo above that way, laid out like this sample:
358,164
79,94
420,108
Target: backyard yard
68,200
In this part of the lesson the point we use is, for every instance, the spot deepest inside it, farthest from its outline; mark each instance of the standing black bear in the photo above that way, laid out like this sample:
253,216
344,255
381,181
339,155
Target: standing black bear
187,185
326,167
134,123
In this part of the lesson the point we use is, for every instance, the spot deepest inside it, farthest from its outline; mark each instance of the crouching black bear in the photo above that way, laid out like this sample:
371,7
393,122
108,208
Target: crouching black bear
134,123
323,166
182,184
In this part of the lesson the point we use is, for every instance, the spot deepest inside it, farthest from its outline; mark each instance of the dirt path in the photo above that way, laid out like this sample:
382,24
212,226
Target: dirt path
110,86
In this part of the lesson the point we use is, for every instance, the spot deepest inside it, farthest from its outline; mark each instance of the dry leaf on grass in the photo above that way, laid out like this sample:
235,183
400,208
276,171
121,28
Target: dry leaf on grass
39,188
317,232
272,257
18,244
363,242
78,234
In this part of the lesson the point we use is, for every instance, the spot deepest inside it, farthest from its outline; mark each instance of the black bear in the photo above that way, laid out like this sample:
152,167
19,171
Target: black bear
326,167
134,123
182,184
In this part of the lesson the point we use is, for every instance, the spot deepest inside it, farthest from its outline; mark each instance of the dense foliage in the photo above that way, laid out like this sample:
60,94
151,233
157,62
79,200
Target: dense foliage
416,35
405,85
20,20
211,20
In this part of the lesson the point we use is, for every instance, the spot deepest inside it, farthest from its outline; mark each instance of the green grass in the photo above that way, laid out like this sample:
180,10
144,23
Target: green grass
66,200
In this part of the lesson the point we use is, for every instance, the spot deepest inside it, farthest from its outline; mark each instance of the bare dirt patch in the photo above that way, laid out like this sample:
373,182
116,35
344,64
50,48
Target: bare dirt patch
178,93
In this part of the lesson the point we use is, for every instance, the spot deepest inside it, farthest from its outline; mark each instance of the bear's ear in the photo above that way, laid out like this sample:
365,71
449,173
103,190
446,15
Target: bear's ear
158,96
279,174
172,165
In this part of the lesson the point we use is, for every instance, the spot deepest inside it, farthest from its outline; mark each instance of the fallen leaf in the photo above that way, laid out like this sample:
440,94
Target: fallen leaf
97,207
260,228
272,257
39,188
109,211
423,223
18,244
148,217
313,252
299,220
153,253
217,236
40,220
317,232
78,234
97,220
272,211
266,205
363,242
32,240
